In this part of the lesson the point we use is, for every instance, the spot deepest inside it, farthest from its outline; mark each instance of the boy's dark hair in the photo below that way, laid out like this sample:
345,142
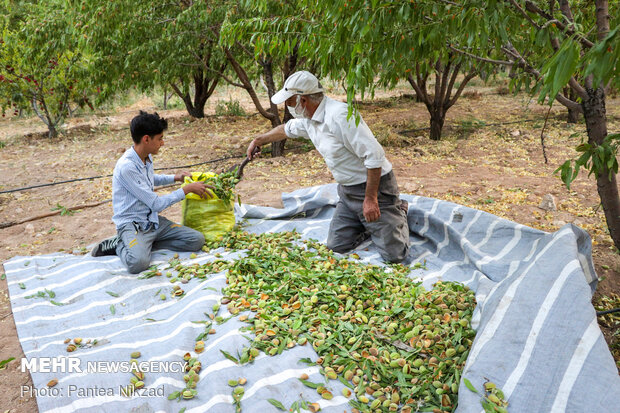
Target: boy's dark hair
147,124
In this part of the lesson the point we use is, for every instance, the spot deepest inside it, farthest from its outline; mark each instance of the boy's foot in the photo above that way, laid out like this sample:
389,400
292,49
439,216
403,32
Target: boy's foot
105,247
404,205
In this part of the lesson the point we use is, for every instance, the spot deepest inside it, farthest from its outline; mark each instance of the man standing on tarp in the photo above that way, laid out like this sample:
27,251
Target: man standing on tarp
369,202
136,205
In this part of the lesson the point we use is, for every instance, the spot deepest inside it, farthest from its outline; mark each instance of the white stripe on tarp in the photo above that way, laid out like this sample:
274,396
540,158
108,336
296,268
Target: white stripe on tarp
586,268
86,328
77,261
585,345
481,299
473,278
507,248
95,287
446,238
514,265
463,242
532,250
488,330
130,345
532,338
69,281
427,214
126,318
16,260
488,234
95,304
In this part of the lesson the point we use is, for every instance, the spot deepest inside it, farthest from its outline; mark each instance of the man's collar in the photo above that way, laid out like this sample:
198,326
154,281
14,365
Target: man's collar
319,113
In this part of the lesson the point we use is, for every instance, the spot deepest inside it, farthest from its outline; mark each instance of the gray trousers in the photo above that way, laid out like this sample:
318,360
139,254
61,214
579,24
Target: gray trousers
135,244
390,232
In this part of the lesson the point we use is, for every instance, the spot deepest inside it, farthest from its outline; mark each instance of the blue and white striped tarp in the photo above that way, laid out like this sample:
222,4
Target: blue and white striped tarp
537,335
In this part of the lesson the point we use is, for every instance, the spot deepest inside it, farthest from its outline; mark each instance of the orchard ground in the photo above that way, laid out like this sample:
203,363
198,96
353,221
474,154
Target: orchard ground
490,158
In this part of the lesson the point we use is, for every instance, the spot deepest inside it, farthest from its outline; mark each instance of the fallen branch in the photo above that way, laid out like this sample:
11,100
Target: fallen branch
74,208
49,214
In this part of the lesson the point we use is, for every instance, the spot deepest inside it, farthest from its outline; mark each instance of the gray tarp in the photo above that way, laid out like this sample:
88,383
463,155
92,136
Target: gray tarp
537,335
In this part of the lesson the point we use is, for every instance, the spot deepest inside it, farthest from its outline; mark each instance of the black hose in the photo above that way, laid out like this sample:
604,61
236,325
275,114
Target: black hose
600,313
107,176
157,169
481,125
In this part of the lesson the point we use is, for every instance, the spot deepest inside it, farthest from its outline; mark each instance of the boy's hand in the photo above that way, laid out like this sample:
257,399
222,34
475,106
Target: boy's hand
199,189
180,177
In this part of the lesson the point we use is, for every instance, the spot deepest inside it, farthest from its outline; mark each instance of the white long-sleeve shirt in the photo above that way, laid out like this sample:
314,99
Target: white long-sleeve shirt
349,150
133,195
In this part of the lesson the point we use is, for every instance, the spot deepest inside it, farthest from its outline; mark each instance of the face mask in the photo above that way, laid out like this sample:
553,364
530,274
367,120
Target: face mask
298,112
293,112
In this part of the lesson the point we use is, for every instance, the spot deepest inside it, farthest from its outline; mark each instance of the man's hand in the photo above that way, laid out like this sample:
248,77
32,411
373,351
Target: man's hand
371,209
253,149
180,177
199,189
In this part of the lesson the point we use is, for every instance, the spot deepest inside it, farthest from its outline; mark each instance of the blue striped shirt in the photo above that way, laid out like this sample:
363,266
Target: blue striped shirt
133,196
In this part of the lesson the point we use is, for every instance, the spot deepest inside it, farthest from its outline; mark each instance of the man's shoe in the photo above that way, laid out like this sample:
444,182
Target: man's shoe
105,247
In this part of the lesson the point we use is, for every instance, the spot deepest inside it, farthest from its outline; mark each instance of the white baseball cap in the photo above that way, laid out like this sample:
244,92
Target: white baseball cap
299,83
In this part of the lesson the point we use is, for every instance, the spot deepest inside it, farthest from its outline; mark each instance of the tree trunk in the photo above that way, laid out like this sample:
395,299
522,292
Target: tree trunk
596,125
438,117
277,148
443,99
202,92
52,132
573,115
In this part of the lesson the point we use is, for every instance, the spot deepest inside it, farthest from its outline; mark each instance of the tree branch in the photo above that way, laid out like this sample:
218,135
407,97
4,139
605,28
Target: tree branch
480,58
523,13
466,80
438,68
444,80
421,94
572,105
530,6
247,85
577,88
455,73
522,63
566,11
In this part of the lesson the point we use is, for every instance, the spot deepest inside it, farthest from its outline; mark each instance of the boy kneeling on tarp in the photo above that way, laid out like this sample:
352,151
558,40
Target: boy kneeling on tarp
136,205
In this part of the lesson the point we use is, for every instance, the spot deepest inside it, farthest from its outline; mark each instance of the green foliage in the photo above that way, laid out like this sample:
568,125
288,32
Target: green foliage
547,46
597,159
264,39
43,69
231,107
365,44
156,43
603,59
63,210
